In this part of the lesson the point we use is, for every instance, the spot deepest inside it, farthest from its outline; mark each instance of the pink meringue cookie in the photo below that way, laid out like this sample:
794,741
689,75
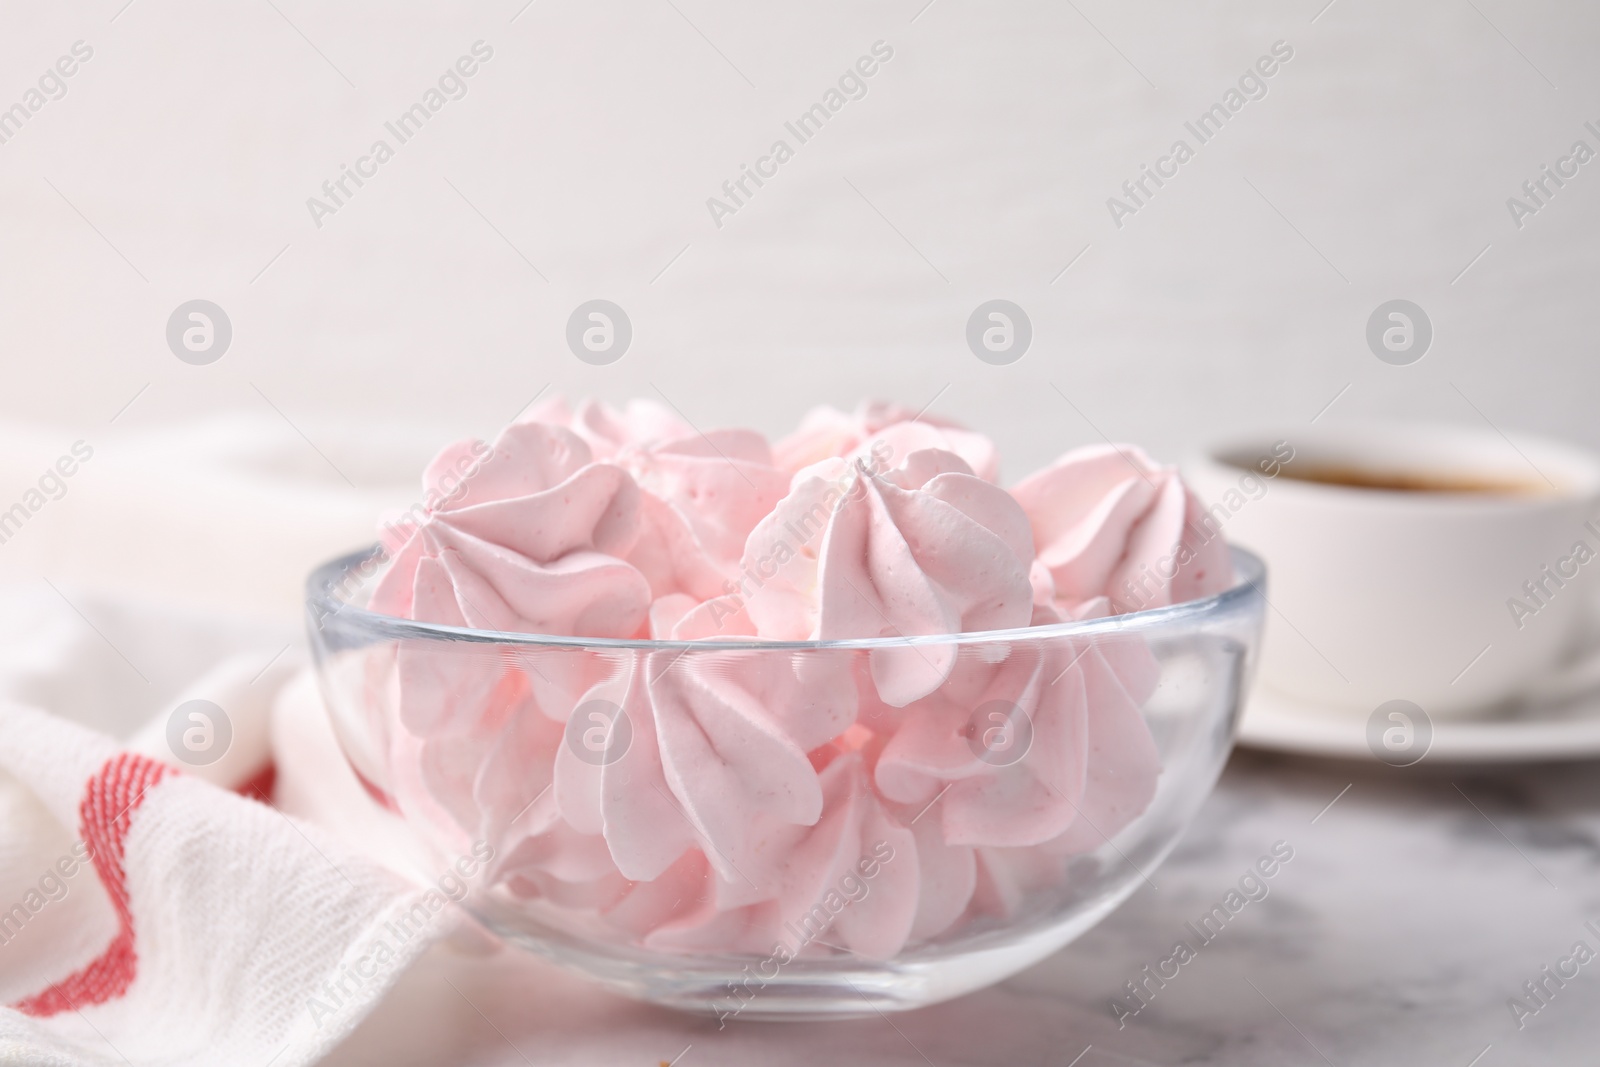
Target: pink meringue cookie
702,493
828,433
538,530
668,901
627,799
701,497
1110,522
925,549
1030,698
1121,765
526,544
848,882
606,430
812,696
513,787
1090,766
1007,878
753,789
947,876
857,847
711,761
569,869
430,776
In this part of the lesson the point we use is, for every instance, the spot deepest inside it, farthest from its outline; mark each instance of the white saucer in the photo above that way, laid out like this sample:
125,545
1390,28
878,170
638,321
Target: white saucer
1528,731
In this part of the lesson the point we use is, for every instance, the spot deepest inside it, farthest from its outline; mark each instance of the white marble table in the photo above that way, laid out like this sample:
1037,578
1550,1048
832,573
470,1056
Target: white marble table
1413,909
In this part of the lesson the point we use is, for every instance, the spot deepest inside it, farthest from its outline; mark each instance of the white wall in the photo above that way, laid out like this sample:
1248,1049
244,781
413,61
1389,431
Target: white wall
991,141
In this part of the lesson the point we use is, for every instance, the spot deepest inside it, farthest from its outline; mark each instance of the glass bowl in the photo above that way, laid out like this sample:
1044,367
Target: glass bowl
762,829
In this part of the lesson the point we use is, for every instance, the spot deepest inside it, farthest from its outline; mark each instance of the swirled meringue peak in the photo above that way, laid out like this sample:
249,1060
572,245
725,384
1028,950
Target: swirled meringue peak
1109,522
527,539
702,495
530,540
925,548
828,433
702,792
606,430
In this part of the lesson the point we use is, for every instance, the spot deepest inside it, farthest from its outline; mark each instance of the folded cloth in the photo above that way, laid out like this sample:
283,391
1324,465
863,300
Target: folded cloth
149,914
235,935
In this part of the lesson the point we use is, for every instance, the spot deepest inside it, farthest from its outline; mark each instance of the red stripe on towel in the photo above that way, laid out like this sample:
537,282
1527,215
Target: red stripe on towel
111,797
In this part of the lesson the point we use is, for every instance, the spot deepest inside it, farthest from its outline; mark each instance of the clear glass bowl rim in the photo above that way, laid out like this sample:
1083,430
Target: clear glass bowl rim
323,603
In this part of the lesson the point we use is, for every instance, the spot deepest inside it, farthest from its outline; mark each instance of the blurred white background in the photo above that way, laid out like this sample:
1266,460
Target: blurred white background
578,164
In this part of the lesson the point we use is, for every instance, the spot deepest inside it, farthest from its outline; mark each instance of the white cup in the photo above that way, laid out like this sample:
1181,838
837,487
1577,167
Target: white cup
1454,600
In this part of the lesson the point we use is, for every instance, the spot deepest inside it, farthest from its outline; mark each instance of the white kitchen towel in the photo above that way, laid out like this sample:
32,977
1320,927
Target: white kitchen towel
149,912
151,917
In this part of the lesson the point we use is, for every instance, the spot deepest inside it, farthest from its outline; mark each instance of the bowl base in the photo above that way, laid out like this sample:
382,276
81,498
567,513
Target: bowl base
756,989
